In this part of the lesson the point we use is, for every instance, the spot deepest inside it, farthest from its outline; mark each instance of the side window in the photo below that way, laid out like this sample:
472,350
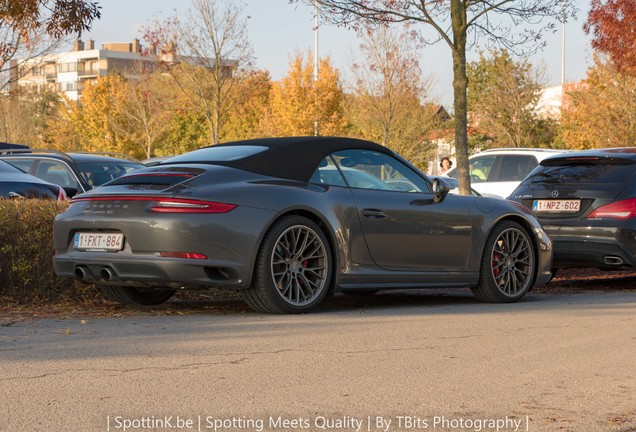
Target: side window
480,168
56,173
327,174
365,169
515,167
23,164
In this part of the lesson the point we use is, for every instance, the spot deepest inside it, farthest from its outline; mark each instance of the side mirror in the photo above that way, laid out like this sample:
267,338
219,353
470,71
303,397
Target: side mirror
440,190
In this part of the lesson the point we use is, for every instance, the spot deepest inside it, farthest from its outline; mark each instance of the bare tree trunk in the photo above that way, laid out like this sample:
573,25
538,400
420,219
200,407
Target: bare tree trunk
460,85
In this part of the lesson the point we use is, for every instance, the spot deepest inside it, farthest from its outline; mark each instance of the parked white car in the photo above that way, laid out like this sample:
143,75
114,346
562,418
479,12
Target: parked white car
497,172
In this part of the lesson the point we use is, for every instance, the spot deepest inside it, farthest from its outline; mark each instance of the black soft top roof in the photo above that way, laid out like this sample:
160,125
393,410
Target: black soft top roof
293,158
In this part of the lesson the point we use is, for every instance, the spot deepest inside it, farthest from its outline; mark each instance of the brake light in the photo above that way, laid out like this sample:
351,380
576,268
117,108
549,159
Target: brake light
188,255
624,209
61,195
159,174
168,205
582,158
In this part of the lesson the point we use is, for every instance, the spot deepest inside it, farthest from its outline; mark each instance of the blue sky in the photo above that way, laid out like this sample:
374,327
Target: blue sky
278,29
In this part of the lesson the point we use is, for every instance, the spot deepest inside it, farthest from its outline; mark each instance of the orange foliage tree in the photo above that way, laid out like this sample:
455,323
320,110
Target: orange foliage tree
612,24
601,112
296,101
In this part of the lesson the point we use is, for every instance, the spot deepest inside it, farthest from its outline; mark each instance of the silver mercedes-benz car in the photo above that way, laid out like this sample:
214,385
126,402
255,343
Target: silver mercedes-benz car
289,221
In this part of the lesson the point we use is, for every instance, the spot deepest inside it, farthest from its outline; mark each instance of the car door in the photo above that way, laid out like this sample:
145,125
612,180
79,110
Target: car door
405,230
507,173
59,173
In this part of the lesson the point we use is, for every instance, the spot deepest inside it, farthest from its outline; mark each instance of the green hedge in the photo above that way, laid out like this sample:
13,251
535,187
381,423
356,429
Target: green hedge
26,252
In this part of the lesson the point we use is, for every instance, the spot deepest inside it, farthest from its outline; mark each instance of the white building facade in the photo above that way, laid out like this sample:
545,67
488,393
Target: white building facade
69,72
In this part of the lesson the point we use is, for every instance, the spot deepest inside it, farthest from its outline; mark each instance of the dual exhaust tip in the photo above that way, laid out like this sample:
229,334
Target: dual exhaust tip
612,260
106,274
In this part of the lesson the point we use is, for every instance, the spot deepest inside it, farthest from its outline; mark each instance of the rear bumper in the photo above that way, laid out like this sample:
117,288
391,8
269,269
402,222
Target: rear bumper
229,242
151,271
606,247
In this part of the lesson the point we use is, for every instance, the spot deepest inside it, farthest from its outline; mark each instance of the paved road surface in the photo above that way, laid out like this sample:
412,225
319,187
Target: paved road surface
421,361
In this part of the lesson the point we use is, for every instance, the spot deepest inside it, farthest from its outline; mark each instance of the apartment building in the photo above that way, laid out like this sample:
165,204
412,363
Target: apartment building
555,98
69,72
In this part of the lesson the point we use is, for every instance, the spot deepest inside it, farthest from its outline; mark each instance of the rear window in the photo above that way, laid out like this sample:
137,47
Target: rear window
218,154
98,173
7,168
583,173
24,165
515,167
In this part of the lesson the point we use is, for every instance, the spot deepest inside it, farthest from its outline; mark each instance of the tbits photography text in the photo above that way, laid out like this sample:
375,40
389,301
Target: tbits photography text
343,423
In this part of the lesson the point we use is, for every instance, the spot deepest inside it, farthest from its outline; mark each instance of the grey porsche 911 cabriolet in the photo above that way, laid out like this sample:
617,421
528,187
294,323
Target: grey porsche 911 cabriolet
289,221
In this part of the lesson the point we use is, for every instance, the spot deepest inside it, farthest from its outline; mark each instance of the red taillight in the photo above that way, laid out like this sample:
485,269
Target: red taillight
169,205
61,195
582,158
624,209
159,174
166,205
188,255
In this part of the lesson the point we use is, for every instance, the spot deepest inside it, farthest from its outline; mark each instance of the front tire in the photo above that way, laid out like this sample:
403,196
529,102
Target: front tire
508,264
138,296
293,268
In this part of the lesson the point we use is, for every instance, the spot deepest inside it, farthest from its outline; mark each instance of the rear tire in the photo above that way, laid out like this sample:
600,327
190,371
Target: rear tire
138,296
293,268
508,264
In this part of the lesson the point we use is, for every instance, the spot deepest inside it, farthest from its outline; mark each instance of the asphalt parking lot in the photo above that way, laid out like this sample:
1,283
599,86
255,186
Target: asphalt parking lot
402,361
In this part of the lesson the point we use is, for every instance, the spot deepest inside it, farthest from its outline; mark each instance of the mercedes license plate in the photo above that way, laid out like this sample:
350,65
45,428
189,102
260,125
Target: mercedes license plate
556,206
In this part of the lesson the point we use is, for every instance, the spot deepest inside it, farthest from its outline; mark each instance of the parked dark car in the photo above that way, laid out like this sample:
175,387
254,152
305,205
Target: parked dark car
75,172
586,202
288,221
17,184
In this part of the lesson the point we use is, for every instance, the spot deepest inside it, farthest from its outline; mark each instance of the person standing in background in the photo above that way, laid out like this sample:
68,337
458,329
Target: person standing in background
445,164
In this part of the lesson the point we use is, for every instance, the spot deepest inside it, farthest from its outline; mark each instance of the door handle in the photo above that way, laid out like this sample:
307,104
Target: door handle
373,213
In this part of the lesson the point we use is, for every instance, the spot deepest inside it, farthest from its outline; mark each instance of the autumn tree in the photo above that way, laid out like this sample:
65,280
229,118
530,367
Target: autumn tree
95,122
601,112
250,93
612,24
145,111
188,130
298,100
502,98
60,126
210,44
459,24
388,93
23,116
29,28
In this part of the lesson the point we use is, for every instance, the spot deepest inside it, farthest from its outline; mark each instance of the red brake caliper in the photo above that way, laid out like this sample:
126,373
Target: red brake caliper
495,269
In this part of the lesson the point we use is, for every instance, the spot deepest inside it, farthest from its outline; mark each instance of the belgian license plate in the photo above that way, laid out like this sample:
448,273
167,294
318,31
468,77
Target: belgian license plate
99,242
556,206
